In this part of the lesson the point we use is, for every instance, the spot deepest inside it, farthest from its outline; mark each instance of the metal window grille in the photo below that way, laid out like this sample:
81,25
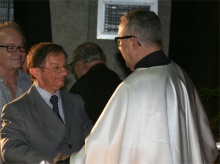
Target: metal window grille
6,10
110,12
113,12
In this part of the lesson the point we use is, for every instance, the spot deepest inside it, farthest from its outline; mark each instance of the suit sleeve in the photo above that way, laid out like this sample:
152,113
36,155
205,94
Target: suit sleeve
86,123
15,144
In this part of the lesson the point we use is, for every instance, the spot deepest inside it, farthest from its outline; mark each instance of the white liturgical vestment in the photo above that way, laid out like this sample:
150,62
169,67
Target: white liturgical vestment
154,117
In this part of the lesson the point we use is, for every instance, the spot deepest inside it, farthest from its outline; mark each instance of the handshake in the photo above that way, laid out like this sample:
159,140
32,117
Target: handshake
61,159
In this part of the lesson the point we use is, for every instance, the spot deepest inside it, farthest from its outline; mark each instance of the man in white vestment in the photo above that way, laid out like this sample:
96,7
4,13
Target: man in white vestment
155,115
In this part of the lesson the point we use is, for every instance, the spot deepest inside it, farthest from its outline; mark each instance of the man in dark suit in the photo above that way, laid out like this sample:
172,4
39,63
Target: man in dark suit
44,121
96,83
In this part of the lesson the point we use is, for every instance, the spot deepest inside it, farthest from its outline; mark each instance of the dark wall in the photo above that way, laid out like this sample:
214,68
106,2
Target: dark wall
194,40
194,44
34,18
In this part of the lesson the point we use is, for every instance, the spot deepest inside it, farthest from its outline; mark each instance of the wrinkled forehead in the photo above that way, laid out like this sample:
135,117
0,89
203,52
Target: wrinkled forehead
55,55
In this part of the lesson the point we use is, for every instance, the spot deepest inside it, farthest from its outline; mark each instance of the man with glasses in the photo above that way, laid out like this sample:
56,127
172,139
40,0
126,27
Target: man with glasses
96,82
155,115
45,120
13,81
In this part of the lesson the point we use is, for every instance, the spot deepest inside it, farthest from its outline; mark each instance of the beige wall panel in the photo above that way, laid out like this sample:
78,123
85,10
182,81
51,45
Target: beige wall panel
75,22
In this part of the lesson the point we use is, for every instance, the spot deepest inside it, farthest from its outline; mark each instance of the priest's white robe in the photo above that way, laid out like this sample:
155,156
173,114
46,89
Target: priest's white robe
155,116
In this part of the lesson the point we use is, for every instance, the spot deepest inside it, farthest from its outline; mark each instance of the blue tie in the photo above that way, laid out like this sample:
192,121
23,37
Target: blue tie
54,101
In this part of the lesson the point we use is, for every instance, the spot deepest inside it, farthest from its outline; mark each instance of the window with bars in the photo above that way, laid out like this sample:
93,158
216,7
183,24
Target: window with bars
110,11
113,14
6,10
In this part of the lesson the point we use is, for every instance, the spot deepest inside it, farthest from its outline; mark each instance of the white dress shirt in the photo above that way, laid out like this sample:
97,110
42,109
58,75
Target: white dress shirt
46,96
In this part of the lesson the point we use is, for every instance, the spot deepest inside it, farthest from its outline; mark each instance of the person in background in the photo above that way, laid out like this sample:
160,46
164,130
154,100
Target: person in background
45,120
13,81
96,82
155,115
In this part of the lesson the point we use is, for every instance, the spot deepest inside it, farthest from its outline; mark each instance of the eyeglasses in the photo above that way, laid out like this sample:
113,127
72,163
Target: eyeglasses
14,48
58,68
71,64
118,41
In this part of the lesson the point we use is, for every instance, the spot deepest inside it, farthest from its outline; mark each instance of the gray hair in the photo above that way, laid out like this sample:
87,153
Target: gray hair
145,25
88,51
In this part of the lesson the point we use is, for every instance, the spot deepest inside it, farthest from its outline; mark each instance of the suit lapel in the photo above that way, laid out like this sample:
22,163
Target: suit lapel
68,109
42,109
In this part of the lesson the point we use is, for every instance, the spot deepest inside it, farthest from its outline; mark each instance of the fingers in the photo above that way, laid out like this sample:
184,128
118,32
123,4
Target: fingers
57,158
64,157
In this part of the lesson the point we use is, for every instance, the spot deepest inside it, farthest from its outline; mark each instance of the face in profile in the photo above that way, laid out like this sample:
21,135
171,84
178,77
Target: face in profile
77,69
124,46
80,68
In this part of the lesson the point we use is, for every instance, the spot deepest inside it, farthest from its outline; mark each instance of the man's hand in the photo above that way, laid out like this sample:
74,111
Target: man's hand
60,159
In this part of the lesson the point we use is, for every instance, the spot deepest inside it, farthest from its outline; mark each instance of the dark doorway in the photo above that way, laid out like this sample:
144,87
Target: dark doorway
34,18
194,45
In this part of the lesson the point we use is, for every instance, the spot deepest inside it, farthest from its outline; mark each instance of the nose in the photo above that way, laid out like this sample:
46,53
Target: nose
19,54
20,49
64,73
64,70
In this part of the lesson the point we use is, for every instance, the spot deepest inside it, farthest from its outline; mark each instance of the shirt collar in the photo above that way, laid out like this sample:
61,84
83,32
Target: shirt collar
46,95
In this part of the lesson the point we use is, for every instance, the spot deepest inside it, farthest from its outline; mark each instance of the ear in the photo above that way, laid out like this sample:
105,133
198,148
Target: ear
81,63
35,72
135,44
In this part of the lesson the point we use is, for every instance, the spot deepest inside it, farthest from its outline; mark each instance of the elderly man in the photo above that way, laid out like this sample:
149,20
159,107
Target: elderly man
96,82
13,81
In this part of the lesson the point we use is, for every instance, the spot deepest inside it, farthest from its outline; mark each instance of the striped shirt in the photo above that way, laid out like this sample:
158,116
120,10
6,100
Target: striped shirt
23,84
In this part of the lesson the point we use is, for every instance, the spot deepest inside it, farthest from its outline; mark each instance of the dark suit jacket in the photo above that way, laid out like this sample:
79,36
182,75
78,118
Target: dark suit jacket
96,87
32,132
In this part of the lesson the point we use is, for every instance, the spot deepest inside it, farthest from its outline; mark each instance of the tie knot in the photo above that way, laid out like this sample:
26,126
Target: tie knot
54,99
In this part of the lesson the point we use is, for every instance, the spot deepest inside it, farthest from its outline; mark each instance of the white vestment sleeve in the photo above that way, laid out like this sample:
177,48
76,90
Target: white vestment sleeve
79,157
103,144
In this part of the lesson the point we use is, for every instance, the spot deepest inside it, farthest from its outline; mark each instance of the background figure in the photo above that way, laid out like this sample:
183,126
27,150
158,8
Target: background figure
13,82
45,120
96,82
155,115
